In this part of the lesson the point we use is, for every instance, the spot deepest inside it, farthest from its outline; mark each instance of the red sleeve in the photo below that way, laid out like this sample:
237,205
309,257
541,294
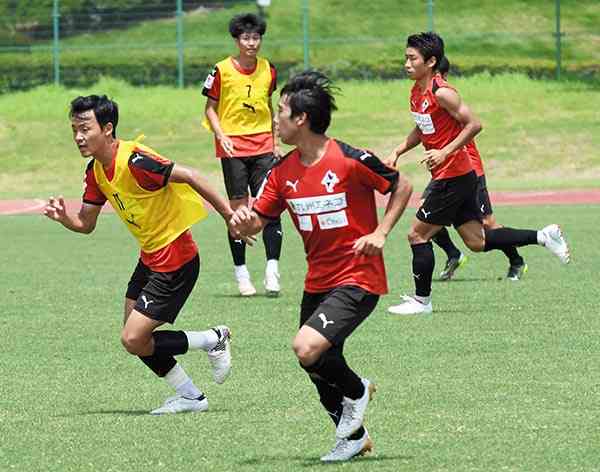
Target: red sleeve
269,203
373,173
151,171
273,80
212,85
91,192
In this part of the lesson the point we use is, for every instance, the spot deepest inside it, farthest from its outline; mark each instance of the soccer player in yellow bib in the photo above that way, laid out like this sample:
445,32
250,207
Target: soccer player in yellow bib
158,201
239,112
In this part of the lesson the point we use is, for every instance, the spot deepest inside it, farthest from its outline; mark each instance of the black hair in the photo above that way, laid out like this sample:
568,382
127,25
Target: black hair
311,92
444,66
247,23
105,110
429,45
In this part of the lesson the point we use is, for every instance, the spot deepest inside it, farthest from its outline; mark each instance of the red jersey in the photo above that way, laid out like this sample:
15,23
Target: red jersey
476,161
437,128
151,172
332,204
248,145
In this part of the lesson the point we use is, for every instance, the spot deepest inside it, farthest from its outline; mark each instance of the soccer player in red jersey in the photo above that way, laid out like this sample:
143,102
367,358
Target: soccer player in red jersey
455,258
158,201
328,189
238,110
445,125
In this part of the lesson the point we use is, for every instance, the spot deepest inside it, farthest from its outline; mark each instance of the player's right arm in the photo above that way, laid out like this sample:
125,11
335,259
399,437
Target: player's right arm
212,116
82,222
411,141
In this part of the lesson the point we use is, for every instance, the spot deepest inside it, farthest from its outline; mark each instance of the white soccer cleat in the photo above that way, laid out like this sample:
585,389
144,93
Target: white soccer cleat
410,306
353,412
220,355
346,449
245,287
272,286
179,404
555,242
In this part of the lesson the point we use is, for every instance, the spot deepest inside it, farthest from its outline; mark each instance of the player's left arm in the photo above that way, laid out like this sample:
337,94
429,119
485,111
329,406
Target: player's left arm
450,101
186,175
372,244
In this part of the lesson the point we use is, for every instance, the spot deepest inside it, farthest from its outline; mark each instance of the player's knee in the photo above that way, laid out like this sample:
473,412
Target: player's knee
133,342
306,354
475,245
414,237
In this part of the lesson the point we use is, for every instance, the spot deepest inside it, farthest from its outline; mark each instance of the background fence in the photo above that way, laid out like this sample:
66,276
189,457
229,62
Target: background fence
176,42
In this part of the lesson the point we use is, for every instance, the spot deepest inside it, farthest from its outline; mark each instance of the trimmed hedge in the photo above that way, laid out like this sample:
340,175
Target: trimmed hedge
24,71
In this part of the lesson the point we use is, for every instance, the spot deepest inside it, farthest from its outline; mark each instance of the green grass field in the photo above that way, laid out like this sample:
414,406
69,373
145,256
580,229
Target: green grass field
547,140
512,33
502,376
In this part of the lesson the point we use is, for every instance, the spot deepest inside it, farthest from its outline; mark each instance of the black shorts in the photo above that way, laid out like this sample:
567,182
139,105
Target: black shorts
161,295
427,190
337,313
451,201
483,197
240,173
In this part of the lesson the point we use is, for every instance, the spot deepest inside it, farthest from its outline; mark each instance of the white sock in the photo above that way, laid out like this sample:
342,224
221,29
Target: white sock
423,300
182,383
241,272
272,266
204,340
541,238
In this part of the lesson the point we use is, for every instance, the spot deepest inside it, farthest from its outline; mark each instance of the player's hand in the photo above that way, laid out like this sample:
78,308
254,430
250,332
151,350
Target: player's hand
434,158
227,145
370,244
242,220
55,209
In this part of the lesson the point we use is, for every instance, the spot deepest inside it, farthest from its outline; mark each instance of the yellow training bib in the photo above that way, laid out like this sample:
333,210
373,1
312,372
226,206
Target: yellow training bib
244,99
154,217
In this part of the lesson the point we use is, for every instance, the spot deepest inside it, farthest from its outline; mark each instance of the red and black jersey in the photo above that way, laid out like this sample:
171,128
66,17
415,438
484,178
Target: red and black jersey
475,157
332,204
437,128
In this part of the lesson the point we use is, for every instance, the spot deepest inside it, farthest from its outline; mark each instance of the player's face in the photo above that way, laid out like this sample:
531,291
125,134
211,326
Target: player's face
286,127
249,43
88,134
415,65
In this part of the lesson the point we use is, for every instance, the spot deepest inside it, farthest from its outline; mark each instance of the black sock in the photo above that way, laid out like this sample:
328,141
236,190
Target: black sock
501,238
272,237
160,365
422,265
170,343
331,398
333,369
513,256
442,239
238,250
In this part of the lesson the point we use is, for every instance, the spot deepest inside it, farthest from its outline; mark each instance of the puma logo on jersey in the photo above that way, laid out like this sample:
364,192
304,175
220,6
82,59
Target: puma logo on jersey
325,320
146,301
292,184
329,181
364,156
249,107
136,158
425,213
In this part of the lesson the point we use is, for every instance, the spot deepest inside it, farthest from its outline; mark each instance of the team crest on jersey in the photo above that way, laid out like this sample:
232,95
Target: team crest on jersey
329,181
424,105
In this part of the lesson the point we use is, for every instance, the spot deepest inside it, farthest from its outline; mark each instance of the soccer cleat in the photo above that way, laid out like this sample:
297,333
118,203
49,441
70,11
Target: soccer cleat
353,411
452,264
555,242
245,287
272,286
220,355
410,306
179,404
515,272
346,449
